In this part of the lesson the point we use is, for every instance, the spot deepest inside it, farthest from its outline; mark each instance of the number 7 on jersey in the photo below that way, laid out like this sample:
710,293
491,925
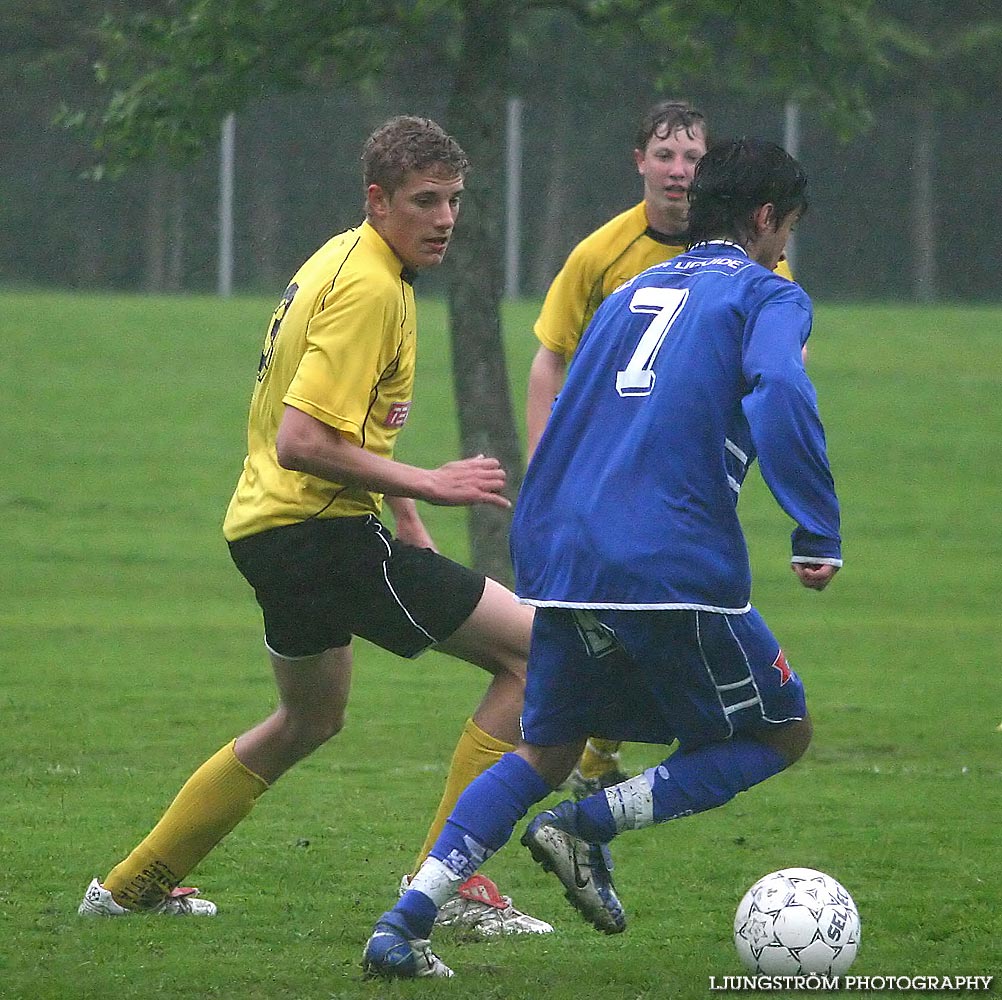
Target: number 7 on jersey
637,378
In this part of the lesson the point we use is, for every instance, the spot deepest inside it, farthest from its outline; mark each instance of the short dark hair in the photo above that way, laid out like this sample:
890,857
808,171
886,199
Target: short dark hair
407,143
735,178
666,117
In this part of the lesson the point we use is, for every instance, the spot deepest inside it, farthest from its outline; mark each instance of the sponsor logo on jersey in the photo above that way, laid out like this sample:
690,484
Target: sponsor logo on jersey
397,414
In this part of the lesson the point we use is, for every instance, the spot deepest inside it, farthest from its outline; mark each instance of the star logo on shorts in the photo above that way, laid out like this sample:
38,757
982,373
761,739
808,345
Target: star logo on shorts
783,667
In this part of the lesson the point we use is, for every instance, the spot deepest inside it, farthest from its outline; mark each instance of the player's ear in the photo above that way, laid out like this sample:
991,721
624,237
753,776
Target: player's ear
377,201
764,218
638,159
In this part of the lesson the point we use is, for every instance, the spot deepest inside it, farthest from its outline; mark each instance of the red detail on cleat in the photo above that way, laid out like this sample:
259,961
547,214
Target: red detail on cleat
480,889
183,890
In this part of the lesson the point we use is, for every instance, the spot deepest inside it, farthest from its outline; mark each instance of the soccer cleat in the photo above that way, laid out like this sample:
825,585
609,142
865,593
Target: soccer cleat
480,911
584,869
182,902
393,952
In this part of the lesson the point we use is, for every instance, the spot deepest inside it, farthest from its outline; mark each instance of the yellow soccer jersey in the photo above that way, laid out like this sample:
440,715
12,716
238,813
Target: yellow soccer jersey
596,267
341,348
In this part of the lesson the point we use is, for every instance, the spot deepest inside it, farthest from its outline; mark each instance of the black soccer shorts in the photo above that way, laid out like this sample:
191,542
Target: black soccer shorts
319,582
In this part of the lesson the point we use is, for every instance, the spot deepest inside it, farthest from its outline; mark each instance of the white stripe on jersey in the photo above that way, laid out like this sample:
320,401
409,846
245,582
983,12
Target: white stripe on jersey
735,451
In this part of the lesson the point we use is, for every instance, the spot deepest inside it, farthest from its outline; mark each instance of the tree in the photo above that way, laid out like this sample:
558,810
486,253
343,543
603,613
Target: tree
55,48
950,56
169,78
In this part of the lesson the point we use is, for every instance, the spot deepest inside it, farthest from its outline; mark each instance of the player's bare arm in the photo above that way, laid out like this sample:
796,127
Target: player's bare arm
546,376
305,444
408,524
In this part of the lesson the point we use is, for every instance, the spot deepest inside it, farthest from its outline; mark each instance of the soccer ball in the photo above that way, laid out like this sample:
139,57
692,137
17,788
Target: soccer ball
797,921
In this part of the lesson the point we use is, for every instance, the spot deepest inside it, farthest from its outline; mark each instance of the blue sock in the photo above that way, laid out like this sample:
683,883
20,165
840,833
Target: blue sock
685,783
486,813
593,819
418,911
480,824
701,779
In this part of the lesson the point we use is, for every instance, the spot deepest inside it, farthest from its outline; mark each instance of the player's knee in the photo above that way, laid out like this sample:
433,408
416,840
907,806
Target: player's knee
326,727
502,661
513,664
790,740
794,740
306,733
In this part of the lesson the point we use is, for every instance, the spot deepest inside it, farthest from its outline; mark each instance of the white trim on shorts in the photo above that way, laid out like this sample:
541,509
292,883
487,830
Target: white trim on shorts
396,597
609,606
298,659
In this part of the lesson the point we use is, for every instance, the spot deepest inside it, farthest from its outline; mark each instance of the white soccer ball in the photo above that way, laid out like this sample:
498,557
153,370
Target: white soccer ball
797,921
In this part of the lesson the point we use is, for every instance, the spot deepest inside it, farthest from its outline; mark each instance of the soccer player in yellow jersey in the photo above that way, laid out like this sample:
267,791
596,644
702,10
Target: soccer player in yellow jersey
670,141
334,389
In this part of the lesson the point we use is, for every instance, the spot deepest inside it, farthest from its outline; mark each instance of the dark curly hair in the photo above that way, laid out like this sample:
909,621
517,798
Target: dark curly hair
407,143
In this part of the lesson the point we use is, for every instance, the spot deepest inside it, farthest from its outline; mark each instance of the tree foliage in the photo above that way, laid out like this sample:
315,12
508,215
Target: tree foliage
950,56
171,71
955,49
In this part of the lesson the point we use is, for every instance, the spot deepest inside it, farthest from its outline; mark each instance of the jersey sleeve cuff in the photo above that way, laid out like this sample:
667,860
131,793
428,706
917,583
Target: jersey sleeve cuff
808,547
348,427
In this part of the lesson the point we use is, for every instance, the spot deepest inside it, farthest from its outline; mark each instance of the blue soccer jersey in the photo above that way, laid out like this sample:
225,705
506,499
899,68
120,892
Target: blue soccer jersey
685,375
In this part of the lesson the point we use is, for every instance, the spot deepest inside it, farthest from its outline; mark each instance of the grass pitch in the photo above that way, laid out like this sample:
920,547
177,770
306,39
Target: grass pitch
131,651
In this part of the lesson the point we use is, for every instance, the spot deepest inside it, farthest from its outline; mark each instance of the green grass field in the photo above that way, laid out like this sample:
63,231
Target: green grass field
131,650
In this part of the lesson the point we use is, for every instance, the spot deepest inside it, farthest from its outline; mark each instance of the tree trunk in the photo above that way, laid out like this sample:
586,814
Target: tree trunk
174,278
91,253
476,116
923,199
156,226
165,229
267,194
553,231
552,241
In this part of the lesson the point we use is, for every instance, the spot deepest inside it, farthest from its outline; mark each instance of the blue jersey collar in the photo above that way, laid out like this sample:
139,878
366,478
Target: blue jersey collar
718,243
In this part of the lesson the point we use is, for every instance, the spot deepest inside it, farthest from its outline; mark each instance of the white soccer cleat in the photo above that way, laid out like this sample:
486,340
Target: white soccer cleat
182,902
479,910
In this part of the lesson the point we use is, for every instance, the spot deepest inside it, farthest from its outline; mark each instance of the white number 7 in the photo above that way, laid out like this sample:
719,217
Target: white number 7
637,378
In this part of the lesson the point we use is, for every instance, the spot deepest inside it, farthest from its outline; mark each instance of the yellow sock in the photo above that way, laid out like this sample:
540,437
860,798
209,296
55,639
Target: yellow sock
598,757
211,803
474,753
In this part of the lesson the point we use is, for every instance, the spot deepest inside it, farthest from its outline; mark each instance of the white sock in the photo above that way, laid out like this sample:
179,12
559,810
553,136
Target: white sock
631,803
436,881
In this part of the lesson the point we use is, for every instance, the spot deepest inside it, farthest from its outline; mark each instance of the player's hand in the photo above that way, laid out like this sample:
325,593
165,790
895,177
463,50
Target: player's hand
468,481
408,526
814,576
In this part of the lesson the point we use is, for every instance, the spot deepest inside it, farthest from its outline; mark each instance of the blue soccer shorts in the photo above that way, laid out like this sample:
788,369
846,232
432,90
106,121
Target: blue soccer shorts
655,676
